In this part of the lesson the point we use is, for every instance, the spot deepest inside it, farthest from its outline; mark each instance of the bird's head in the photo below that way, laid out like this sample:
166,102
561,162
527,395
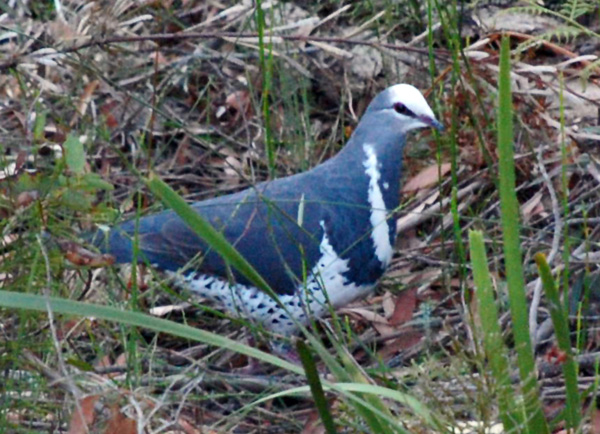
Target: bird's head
403,108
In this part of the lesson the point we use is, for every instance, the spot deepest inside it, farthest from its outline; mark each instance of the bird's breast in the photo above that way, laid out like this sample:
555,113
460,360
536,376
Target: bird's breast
379,212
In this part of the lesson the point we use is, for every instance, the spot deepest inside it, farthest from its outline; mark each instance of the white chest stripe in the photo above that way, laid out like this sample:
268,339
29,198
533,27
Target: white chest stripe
380,232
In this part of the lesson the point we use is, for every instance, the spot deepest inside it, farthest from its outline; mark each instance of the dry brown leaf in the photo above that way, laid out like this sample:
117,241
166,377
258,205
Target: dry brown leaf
84,416
383,330
428,275
378,322
119,423
406,302
67,327
104,362
78,255
108,111
121,360
426,178
364,314
532,207
26,198
313,424
188,428
8,239
182,155
20,160
85,98
408,339
389,304
595,422
239,105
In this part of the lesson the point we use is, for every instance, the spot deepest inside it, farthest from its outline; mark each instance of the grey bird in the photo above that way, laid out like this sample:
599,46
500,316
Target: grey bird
331,256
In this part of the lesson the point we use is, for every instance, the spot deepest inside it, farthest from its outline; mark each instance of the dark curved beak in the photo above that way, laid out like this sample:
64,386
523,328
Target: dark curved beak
432,122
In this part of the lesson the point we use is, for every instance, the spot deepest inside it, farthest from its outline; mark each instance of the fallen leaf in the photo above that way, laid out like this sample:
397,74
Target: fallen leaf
364,314
104,362
595,422
83,416
408,339
348,130
85,99
119,423
313,424
108,111
532,207
67,328
237,107
378,322
188,428
26,198
405,305
389,304
165,310
80,256
426,178
121,360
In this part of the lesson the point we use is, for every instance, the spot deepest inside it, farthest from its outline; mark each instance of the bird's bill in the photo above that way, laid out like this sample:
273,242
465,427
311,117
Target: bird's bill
432,122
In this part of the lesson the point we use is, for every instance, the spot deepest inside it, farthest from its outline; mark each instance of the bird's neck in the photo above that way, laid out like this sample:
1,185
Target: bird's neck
387,148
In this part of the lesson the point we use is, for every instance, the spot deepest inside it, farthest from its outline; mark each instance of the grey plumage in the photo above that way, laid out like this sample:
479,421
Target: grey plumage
338,253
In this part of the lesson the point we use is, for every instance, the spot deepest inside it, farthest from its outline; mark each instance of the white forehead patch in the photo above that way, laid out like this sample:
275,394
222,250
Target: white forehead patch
411,97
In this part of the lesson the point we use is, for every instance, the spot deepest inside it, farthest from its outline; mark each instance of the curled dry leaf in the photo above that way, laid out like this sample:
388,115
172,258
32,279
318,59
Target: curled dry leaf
388,304
165,310
81,256
532,207
378,322
238,105
85,98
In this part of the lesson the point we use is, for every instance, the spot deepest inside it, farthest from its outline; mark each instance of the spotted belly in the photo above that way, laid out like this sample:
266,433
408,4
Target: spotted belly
325,285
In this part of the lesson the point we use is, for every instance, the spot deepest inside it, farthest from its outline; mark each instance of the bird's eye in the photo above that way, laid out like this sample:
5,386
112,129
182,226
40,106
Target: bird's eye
401,108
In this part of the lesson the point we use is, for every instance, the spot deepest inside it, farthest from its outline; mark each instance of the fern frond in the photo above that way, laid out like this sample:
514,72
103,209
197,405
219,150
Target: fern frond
587,71
535,10
576,8
569,13
562,34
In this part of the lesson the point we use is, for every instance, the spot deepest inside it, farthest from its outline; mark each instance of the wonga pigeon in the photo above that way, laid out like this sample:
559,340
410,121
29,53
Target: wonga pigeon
334,254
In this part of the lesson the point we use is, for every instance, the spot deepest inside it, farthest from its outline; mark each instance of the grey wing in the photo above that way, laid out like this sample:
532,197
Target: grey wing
263,227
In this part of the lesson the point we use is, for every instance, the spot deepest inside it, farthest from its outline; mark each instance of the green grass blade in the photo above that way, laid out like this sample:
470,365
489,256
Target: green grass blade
266,68
316,389
561,330
18,300
512,248
493,343
207,232
36,302
355,392
355,374
347,372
